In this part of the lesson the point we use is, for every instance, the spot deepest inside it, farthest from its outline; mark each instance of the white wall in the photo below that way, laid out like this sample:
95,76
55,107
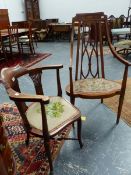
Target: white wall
66,9
16,9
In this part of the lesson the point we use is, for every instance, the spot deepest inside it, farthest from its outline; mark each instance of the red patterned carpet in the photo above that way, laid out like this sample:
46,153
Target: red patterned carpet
24,60
30,160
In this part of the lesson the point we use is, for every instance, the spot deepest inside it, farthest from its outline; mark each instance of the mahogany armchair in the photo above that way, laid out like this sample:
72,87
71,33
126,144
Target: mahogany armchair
46,116
88,64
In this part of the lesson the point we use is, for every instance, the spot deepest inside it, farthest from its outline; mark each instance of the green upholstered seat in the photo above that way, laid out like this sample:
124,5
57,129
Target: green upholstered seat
56,112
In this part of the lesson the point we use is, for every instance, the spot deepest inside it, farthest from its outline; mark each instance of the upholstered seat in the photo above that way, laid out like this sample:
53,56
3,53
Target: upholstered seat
56,112
41,34
94,87
123,44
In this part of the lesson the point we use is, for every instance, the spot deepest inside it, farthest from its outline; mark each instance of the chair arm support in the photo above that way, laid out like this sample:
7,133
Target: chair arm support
71,80
56,67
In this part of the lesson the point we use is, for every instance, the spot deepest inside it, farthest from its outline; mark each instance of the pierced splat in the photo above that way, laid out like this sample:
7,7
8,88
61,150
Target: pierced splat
89,51
36,78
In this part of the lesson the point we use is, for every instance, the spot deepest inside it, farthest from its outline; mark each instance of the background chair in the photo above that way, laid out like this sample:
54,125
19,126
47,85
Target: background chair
42,30
11,43
3,55
26,42
118,27
123,47
89,81
46,116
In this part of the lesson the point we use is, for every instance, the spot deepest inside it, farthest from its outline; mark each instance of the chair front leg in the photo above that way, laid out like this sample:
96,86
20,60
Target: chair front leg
72,100
122,94
79,124
27,139
48,152
121,100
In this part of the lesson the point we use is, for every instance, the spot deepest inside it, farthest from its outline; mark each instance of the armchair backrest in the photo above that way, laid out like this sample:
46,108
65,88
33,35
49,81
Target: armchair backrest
90,29
13,34
87,51
10,78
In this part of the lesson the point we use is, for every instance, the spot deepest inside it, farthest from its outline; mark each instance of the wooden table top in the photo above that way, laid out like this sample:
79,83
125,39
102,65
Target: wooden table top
60,24
4,32
121,31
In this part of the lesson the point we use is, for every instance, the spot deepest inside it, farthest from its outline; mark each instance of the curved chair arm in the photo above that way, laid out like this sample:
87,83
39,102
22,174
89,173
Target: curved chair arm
114,52
71,80
118,57
47,67
16,96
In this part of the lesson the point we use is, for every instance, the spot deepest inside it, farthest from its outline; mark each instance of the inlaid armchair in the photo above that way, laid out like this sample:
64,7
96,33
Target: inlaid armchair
45,116
86,70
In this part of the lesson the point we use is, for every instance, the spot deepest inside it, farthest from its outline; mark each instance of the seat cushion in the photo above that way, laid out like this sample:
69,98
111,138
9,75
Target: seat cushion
94,88
24,40
59,112
123,44
25,37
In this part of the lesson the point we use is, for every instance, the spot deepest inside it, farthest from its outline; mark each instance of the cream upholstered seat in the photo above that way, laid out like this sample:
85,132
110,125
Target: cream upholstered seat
94,87
123,43
123,46
41,34
56,112
45,116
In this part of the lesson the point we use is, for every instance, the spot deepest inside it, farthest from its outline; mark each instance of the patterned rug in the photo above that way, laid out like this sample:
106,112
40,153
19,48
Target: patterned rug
30,160
112,103
25,60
